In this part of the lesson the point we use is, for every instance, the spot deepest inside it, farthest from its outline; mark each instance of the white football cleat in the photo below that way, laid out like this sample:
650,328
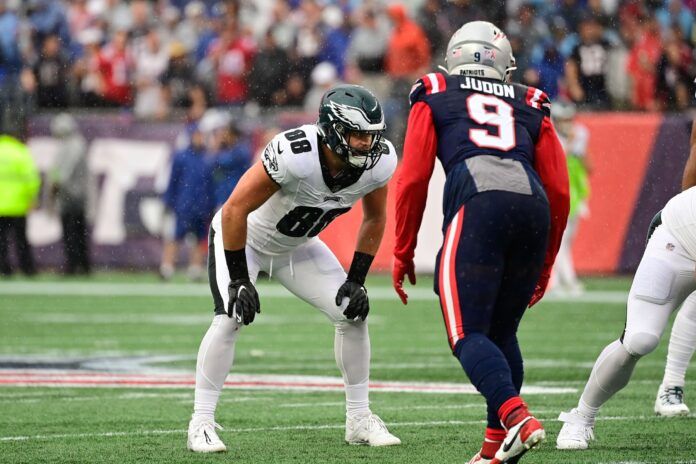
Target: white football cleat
576,433
477,459
670,402
369,430
202,437
523,436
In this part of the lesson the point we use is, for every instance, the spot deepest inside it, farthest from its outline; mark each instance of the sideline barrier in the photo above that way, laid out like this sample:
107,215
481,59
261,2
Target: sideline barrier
637,163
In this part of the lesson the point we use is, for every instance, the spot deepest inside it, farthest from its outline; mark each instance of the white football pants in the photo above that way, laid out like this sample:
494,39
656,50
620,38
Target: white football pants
312,273
663,281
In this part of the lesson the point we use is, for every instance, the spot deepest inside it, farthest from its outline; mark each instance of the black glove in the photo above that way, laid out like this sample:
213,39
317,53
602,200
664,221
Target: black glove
656,221
244,301
359,305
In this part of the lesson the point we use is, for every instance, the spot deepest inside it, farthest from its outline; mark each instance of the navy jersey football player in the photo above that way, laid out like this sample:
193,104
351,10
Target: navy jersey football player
505,208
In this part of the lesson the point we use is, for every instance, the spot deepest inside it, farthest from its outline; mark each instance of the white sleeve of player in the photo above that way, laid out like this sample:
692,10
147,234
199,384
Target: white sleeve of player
274,162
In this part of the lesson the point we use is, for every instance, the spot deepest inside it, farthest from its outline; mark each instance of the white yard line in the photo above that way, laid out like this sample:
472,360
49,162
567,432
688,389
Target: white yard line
448,423
266,290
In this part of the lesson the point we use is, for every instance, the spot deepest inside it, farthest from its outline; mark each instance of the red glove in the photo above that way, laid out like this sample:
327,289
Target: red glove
540,289
402,268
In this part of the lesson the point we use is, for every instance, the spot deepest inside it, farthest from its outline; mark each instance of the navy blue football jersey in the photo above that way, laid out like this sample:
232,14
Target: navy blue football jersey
476,116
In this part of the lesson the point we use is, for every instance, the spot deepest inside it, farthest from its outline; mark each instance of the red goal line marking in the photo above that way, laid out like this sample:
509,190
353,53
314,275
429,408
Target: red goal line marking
240,381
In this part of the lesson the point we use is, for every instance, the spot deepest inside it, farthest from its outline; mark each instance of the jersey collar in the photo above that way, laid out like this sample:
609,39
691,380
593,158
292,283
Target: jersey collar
343,179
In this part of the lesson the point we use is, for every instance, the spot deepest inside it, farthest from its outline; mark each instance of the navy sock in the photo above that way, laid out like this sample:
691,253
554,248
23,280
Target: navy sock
487,368
511,350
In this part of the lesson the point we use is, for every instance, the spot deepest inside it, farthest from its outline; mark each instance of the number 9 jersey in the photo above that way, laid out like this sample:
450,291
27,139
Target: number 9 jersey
309,198
489,135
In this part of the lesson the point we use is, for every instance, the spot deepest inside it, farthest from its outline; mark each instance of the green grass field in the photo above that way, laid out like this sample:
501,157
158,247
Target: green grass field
132,323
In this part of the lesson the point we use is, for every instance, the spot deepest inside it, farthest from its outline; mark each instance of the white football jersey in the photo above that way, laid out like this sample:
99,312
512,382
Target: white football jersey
305,204
679,216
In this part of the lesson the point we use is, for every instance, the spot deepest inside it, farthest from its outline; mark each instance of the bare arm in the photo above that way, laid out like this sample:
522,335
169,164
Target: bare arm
254,189
374,220
689,176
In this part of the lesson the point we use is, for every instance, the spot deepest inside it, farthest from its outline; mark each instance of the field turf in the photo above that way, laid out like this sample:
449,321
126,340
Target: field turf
134,324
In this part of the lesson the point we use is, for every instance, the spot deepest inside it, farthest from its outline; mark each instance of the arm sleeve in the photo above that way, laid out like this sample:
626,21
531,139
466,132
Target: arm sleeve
420,148
550,164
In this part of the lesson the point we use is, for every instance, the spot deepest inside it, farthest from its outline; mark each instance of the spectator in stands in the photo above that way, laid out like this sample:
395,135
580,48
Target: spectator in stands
189,196
231,157
116,70
407,59
192,26
586,67
675,75
324,77
141,19
178,78
572,13
47,17
231,56
642,62
529,27
68,186
674,12
336,39
116,13
19,186
51,72
408,52
552,65
598,10
269,73
460,12
151,62
432,20
86,69
309,38
79,17
365,55
295,90
284,30
12,95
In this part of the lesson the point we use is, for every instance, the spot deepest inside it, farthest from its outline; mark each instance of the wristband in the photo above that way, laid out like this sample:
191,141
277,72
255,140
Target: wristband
237,264
360,267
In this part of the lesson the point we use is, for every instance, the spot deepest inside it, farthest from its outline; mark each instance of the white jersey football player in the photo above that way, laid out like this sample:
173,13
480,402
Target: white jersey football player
663,282
682,341
307,177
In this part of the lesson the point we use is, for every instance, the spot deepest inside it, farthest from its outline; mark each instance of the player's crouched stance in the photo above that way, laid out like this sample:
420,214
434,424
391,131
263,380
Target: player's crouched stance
307,177
663,281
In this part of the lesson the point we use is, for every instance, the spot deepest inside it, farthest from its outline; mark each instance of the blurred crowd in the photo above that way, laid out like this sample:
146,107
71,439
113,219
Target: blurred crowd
153,56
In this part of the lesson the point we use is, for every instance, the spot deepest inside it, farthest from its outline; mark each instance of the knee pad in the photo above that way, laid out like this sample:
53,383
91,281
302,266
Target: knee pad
345,326
641,343
473,338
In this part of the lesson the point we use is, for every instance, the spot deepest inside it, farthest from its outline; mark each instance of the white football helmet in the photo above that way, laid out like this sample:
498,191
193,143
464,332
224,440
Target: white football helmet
480,49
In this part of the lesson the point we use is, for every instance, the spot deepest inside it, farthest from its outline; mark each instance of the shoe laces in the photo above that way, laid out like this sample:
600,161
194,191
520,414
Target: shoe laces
375,423
672,395
209,426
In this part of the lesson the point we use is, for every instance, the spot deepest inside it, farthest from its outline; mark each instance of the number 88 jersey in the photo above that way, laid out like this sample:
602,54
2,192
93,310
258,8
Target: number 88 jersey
308,200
